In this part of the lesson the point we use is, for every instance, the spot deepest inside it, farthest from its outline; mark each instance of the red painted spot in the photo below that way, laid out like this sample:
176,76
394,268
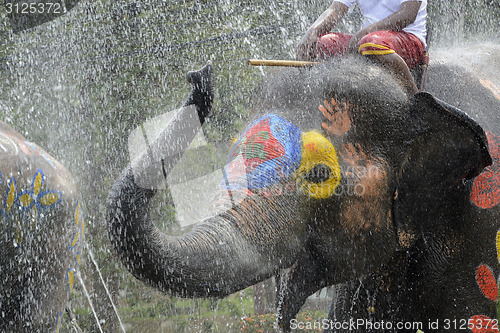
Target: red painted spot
482,324
258,145
486,188
486,282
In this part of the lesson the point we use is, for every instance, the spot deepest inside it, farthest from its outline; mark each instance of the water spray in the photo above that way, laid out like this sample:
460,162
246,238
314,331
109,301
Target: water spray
79,276
105,286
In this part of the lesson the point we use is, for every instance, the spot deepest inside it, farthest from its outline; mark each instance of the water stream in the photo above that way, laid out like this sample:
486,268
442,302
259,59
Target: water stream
87,295
110,297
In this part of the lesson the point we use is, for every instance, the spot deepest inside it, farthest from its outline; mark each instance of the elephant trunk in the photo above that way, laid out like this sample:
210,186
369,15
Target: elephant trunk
223,254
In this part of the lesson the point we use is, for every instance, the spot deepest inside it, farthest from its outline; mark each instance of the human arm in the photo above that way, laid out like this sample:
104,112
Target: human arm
397,21
307,46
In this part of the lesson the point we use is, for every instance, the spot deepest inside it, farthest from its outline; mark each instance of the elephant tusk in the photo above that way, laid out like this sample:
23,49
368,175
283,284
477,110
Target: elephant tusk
281,63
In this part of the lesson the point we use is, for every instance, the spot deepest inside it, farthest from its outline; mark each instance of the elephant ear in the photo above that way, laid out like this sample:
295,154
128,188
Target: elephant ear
445,148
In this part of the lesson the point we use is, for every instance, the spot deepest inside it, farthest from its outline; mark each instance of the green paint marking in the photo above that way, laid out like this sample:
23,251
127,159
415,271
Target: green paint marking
254,147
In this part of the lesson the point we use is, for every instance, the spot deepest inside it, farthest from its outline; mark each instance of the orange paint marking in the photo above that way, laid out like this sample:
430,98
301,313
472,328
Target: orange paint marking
487,282
492,87
482,324
338,121
486,188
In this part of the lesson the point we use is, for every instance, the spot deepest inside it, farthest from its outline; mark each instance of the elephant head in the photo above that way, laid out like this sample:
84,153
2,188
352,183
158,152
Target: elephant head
42,231
339,172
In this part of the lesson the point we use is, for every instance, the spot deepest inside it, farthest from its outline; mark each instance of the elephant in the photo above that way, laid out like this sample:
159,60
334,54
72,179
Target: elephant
342,179
42,229
369,298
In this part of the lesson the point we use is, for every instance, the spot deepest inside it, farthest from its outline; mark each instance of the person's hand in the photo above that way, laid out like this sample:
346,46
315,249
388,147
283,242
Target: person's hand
307,49
352,47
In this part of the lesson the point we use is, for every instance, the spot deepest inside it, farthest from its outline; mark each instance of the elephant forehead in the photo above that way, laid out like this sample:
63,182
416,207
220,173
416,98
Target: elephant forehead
268,151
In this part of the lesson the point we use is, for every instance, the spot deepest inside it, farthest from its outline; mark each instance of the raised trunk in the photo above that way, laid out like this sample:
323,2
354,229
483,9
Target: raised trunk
225,253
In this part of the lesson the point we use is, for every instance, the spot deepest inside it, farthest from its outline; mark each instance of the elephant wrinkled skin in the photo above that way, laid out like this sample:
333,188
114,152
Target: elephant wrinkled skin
344,180
41,235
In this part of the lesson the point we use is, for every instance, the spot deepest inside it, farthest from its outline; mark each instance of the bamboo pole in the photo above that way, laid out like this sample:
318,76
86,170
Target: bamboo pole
281,63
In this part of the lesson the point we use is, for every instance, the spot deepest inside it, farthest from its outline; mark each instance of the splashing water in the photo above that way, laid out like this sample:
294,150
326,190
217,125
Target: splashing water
89,300
105,286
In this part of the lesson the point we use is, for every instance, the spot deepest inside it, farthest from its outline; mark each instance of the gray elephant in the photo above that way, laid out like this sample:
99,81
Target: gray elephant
41,236
375,296
343,179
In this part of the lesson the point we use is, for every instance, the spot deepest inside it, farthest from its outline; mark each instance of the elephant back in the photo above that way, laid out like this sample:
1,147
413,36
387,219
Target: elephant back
475,95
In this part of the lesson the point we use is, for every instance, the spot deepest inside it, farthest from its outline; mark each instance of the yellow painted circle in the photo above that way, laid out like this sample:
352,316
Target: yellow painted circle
316,149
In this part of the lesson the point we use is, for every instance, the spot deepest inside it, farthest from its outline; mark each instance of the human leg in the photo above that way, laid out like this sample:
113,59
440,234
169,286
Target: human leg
397,66
397,51
333,45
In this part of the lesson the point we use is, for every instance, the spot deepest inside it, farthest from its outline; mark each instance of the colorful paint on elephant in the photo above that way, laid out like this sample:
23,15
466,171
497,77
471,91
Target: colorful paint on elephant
268,151
486,194
21,208
272,150
15,144
491,86
319,170
487,283
9,198
58,321
75,246
486,189
26,205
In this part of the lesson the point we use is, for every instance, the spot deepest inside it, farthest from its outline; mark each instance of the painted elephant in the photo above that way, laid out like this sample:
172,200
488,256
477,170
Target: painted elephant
376,296
341,178
41,235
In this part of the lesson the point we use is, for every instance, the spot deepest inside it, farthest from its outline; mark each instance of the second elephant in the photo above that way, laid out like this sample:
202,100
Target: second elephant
41,237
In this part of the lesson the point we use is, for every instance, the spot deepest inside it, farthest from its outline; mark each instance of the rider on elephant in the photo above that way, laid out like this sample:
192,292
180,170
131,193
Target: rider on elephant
393,34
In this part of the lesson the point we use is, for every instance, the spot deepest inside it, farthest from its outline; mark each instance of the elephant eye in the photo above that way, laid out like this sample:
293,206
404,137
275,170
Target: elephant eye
318,174
319,170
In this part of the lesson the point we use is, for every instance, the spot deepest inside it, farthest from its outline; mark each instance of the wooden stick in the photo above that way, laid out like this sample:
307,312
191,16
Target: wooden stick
282,63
